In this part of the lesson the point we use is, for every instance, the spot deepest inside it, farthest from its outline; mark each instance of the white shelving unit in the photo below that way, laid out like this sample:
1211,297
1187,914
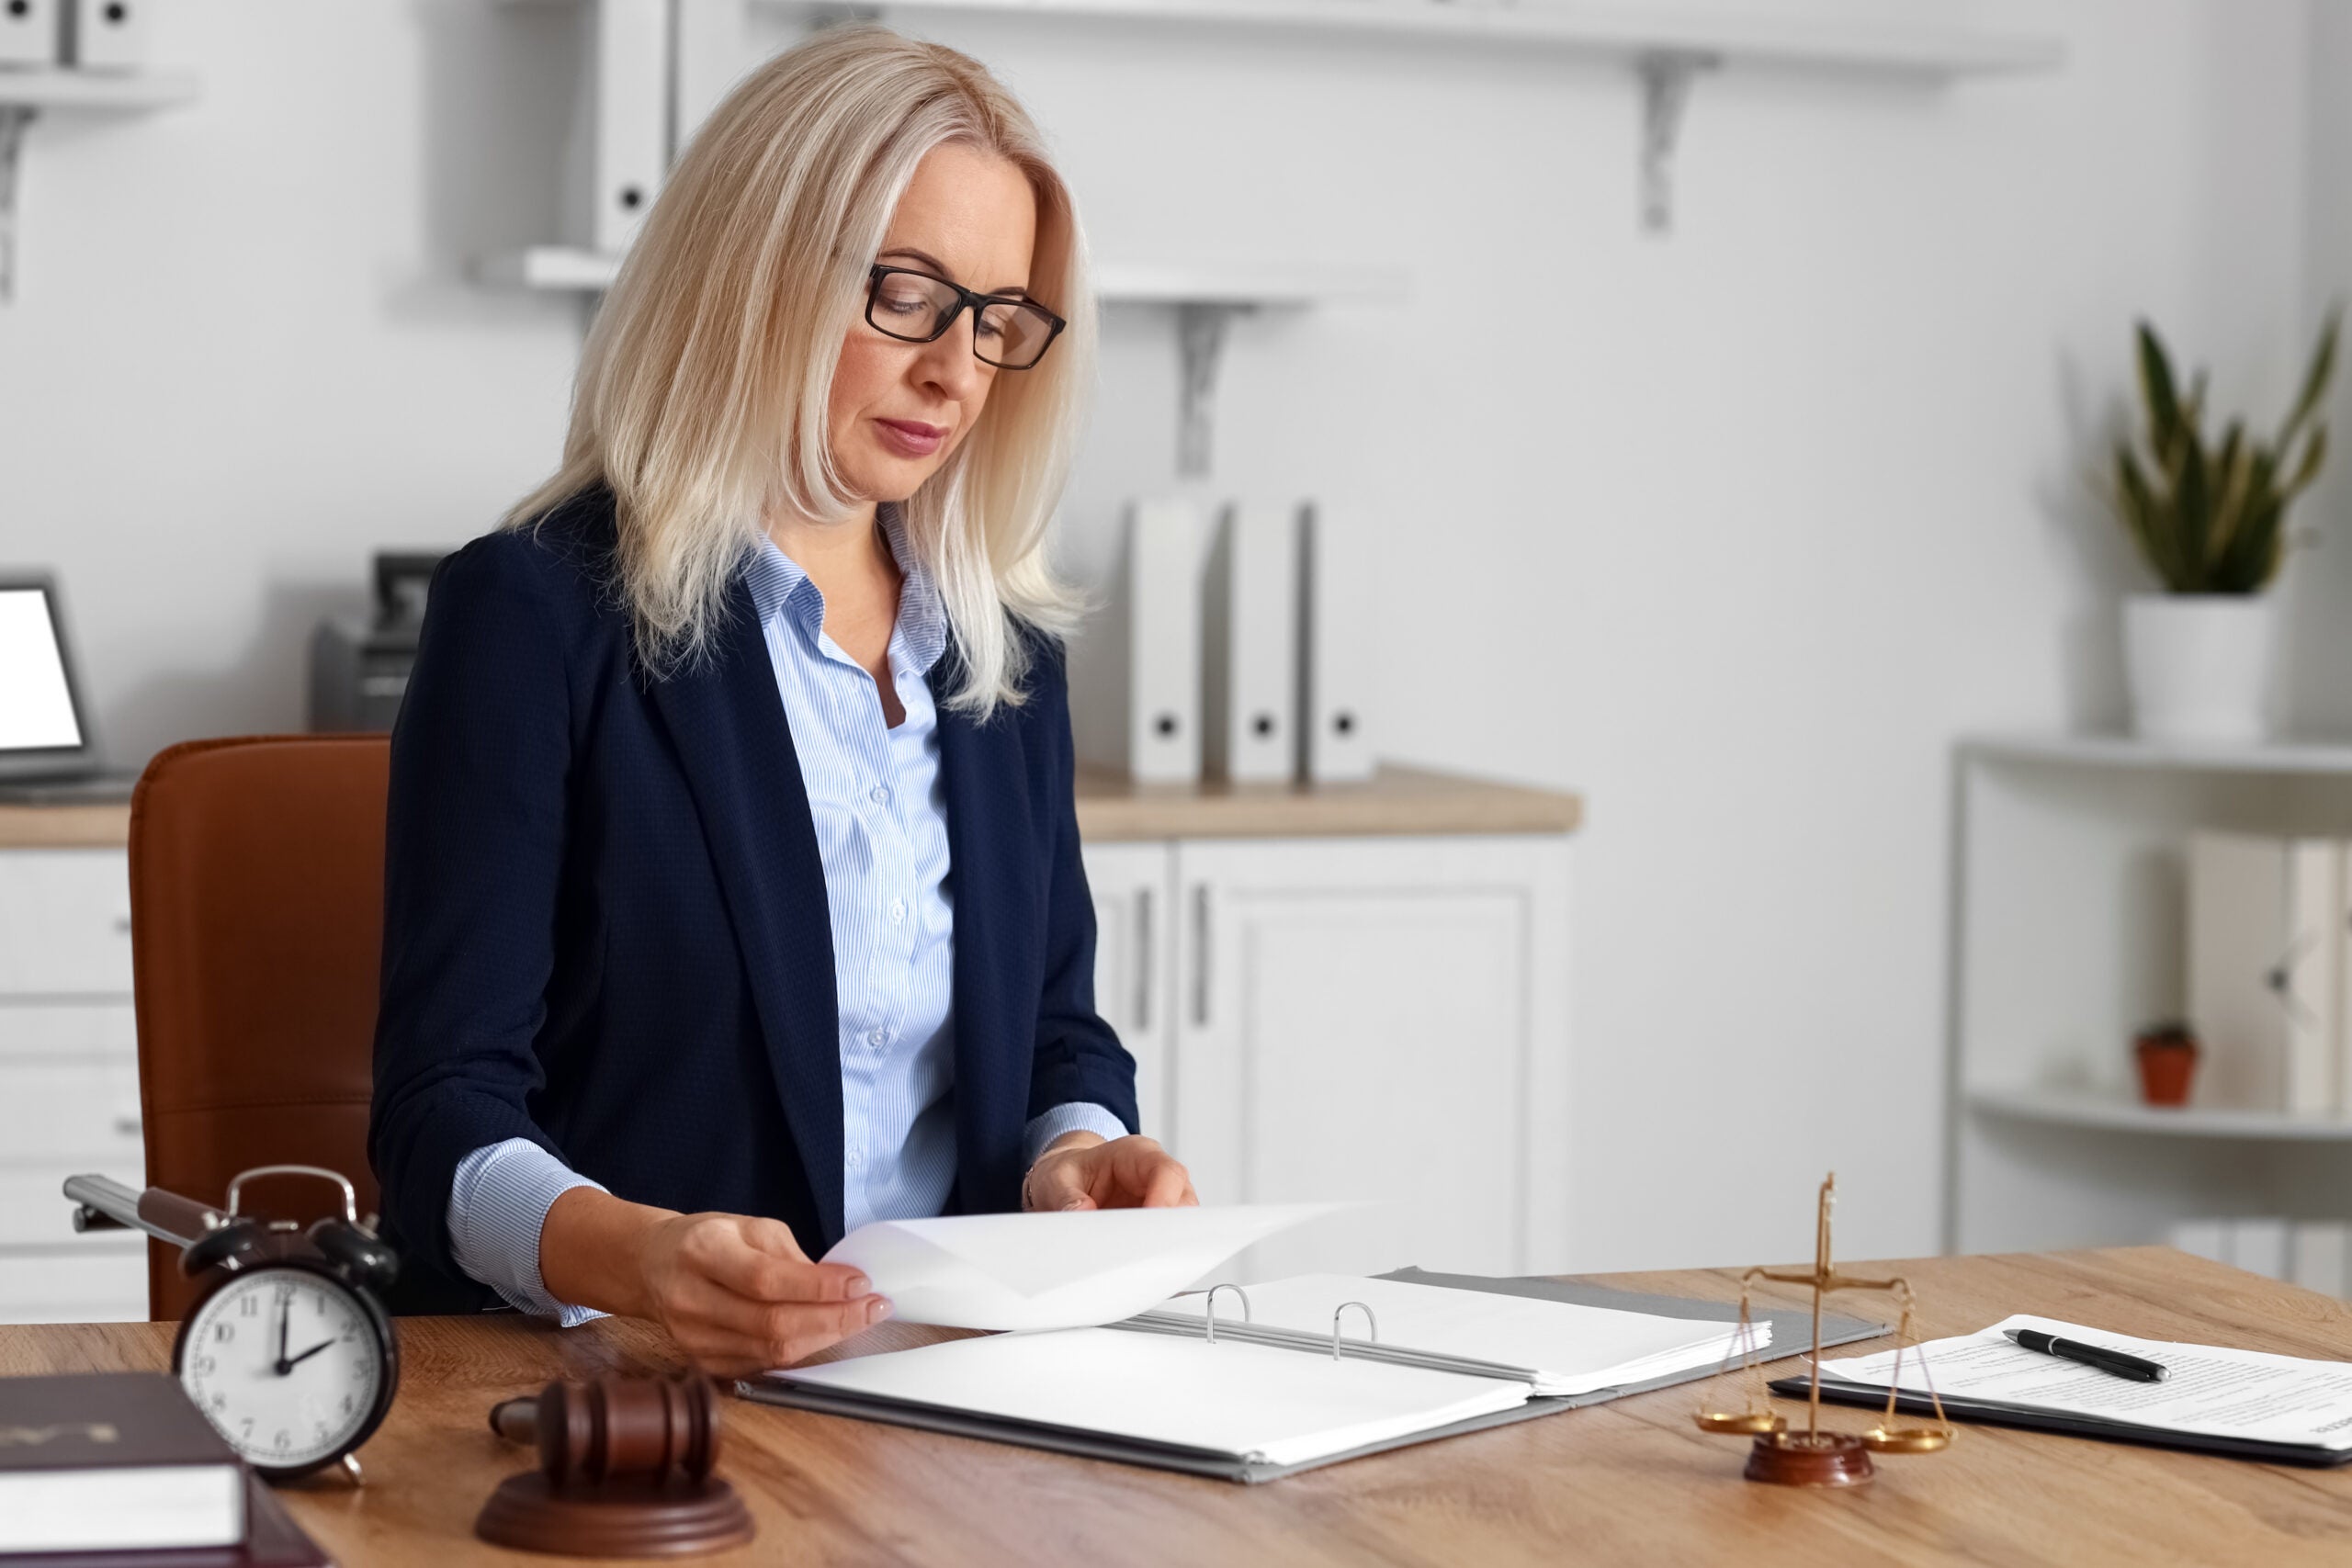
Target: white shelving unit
2068,931
28,91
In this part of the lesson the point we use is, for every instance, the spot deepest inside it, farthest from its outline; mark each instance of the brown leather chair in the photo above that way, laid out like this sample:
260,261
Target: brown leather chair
257,919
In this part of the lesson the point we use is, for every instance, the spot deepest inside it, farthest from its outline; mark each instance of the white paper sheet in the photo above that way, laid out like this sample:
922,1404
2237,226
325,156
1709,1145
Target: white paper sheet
1244,1401
1055,1271
2218,1391
1562,1347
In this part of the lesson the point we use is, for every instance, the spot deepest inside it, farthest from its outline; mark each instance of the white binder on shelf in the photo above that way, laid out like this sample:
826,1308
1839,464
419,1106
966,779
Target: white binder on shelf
31,32
1136,679
2265,955
620,145
1250,645
1335,647
105,35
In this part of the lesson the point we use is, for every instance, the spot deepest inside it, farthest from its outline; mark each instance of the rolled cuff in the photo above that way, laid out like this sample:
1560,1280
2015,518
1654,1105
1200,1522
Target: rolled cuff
1079,1116
498,1204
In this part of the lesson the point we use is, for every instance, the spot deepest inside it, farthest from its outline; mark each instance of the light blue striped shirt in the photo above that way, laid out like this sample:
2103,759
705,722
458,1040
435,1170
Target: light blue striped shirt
880,812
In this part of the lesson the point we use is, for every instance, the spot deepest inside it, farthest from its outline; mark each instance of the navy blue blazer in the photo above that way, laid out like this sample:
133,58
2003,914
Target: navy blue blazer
605,927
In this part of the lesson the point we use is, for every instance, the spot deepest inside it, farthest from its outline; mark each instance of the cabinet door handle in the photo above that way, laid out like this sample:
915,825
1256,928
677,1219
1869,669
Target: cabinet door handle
1201,954
1143,960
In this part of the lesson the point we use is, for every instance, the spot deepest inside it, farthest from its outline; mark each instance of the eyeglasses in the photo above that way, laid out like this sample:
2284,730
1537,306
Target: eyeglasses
915,306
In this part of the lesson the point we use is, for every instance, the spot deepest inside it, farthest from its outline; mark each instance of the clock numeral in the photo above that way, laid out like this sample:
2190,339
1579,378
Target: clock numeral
346,1405
223,1331
245,1428
324,1433
285,1440
220,1401
286,1290
321,1302
204,1365
248,1306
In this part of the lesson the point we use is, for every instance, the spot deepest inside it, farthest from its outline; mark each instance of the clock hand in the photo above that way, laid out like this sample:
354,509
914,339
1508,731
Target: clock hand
285,1311
306,1355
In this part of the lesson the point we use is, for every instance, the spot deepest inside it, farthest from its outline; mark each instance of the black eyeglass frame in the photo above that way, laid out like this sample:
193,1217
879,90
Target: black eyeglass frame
964,299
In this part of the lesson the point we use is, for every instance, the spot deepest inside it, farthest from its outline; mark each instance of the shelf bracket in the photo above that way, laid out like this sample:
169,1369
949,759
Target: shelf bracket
1200,342
13,118
1667,75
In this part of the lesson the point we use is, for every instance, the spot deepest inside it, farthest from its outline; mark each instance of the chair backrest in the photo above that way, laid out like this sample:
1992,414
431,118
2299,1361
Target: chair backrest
256,923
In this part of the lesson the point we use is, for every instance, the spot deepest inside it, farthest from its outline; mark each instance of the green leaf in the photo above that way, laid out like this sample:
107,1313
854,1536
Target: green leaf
2314,453
2136,506
2315,379
2193,505
2157,391
2251,560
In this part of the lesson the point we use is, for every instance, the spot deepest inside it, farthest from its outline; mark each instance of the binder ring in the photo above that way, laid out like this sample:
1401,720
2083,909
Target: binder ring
1372,1325
1210,1305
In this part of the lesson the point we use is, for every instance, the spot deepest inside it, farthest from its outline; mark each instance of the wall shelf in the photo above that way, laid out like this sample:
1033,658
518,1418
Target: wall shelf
25,92
2085,1108
1667,53
51,87
573,269
1620,33
2320,757
1205,300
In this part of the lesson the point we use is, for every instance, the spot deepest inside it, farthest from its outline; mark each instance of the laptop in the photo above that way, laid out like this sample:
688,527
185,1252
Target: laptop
47,755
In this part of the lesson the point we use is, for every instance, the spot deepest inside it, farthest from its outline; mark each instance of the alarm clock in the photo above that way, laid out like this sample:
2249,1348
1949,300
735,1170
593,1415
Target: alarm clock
288,1352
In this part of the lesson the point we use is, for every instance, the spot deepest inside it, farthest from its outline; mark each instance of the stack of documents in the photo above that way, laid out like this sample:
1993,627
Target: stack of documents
2214,1400
1554,1347
1265,1397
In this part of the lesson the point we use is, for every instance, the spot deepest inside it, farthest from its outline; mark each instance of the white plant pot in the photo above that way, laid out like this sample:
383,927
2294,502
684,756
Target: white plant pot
2200,666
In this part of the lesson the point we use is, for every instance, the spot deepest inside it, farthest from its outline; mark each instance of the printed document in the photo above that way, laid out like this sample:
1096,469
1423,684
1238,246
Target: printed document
1068,1269
2213,1391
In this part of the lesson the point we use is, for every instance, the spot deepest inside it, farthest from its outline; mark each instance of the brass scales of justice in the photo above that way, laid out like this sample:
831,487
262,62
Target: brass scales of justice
1813,1457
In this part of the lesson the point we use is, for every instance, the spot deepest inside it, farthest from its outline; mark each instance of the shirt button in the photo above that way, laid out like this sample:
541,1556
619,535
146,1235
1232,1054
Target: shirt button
875,1039
879,794
855,1159
897,908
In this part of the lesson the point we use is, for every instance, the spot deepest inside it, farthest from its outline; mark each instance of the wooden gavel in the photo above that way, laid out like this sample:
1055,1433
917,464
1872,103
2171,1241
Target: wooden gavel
624,1471
643,1430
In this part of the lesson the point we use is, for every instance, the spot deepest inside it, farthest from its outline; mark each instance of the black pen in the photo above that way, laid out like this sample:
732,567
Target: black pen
2106,1360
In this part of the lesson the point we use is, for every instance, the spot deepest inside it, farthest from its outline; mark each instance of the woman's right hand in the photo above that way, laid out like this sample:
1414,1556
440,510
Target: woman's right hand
735,1291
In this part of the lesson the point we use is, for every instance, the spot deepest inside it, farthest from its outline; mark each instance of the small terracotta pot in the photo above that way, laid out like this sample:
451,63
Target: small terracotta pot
2167,1065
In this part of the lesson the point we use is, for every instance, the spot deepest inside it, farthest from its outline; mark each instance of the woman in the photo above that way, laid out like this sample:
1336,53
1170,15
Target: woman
733,897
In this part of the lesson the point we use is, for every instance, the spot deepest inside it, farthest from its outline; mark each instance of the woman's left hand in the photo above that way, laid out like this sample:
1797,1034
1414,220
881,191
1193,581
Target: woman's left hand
1081,1170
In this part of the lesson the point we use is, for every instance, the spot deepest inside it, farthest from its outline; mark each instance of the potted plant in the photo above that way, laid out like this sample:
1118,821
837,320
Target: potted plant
2168,1056
2209,517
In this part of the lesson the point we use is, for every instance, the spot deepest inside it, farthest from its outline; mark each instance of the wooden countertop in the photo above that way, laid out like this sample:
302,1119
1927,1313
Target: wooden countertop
64,827
1627,1481
1112,807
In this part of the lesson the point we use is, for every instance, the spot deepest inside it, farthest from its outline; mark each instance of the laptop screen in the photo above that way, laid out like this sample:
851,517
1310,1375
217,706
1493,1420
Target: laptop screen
35,703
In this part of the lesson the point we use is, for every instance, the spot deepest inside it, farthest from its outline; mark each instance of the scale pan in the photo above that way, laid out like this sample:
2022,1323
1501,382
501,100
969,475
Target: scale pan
1907,1439
1750,1423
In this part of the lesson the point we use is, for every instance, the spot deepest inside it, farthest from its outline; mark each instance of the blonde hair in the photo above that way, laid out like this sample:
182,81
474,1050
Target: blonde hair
701,395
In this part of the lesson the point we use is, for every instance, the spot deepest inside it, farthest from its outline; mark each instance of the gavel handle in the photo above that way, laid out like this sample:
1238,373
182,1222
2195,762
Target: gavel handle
516,1420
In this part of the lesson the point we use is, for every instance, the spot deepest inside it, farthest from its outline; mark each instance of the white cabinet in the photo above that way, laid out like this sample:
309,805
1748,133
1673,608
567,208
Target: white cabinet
69,1083
1378,1018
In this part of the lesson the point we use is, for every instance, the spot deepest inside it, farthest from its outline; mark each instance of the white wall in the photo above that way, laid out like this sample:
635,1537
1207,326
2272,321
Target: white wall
1733,537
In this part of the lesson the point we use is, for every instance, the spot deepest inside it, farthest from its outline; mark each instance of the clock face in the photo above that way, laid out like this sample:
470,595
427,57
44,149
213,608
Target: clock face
287,1364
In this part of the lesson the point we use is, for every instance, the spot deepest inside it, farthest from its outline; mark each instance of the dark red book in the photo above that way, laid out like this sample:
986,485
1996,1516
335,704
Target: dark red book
101,1469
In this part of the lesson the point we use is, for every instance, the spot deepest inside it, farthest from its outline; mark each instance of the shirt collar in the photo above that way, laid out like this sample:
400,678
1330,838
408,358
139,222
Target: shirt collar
780,587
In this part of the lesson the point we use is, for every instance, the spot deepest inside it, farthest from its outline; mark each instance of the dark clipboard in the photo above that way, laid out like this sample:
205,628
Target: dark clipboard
1791,1333
1993,1412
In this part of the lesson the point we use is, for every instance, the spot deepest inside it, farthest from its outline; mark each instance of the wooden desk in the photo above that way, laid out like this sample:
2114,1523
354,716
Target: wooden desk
1630,1481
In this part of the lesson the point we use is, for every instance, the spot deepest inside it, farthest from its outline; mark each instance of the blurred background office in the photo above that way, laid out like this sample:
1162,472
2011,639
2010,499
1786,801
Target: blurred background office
1723,406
